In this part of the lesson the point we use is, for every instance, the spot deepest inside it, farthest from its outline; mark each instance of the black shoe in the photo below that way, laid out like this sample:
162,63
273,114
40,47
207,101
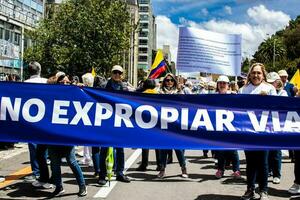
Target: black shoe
58,191
82,191
123,179
158,168
141,168
102,182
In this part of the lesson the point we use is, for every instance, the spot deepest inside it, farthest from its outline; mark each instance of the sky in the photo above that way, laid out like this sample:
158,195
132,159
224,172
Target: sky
256,20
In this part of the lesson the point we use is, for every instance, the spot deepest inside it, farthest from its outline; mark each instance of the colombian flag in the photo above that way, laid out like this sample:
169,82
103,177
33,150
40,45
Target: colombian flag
296,79
159,66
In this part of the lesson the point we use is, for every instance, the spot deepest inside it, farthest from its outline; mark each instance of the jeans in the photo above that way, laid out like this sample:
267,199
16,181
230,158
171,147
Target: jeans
257,169
96,159
297,166
179,154
275,162
41,155
145,157
231,155
56,153
33,160
119,162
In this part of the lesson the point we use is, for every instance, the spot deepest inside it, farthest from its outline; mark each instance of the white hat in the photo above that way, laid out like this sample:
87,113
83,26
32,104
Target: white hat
223,78
59,74
212,84
117,68
272,76
188,83
282,73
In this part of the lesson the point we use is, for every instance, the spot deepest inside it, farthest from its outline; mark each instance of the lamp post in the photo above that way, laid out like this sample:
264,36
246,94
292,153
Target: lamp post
273,50
274,53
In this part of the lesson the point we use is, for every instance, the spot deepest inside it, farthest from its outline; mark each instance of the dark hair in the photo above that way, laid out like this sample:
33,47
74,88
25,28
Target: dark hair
149,84
34,68
60,78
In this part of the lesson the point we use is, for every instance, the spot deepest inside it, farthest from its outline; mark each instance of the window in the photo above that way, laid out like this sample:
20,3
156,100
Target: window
143,42
144,1
143,34
1,33
144,25
142,58
144,17
143,50
143,9
7,35
17,39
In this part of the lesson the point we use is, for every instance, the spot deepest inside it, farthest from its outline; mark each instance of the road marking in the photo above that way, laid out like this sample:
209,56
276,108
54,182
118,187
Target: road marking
285,152
15,176
106,189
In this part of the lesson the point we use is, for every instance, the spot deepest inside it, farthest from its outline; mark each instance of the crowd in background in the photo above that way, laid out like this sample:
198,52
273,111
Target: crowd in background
260,164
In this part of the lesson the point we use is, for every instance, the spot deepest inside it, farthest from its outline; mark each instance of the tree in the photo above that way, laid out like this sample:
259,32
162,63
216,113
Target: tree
266,50
81,34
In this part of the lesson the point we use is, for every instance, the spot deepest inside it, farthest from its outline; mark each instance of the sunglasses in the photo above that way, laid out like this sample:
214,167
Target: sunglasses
169,80
117,72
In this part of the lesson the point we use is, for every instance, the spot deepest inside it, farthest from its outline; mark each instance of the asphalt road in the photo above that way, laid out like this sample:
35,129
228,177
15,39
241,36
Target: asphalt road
201,184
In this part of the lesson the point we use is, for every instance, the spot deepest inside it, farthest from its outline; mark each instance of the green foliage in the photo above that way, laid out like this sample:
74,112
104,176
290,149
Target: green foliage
81,34
287,49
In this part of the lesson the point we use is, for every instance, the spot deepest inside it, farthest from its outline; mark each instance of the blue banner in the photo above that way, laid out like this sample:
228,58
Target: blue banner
71,115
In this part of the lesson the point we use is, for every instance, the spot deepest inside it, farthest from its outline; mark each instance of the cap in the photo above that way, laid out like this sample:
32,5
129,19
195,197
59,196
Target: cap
282,73
223,78
272,76
212,84
117,68
201,83
59,74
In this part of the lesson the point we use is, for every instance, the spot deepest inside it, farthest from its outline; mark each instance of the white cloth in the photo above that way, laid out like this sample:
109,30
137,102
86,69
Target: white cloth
263,88
187,90
282,93
36,79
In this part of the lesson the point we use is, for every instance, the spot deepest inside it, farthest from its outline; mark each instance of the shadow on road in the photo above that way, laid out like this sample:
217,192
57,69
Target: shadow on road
217,197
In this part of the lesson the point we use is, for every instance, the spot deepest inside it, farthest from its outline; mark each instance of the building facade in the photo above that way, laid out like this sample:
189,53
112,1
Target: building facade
15,17
131,56
147,35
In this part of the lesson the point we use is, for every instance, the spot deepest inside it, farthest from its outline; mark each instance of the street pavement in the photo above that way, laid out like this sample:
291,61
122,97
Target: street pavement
201,184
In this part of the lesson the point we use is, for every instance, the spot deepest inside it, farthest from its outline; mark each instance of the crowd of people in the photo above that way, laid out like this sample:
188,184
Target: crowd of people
259,164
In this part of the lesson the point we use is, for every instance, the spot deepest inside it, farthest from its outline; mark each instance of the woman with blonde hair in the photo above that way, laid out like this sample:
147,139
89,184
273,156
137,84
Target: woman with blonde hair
257,161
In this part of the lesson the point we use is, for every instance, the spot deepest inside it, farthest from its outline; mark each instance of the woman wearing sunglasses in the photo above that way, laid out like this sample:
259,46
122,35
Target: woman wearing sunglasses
169,86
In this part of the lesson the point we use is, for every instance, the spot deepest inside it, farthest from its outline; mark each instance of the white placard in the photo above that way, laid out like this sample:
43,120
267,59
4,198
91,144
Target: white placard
210,52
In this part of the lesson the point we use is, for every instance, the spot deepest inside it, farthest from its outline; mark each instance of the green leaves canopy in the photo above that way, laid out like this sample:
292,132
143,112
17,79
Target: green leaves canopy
81,34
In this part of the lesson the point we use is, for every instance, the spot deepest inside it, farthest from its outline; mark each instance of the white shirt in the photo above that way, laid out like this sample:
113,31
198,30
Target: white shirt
36,79
282,93
263,88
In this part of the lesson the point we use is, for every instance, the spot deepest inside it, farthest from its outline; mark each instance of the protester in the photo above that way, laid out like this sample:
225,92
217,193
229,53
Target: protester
288,87
211,87
291,91
38,152
87,80
114,83
202,89
232,155
149,88
57,152
188,86
275,156
257,161
169,86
